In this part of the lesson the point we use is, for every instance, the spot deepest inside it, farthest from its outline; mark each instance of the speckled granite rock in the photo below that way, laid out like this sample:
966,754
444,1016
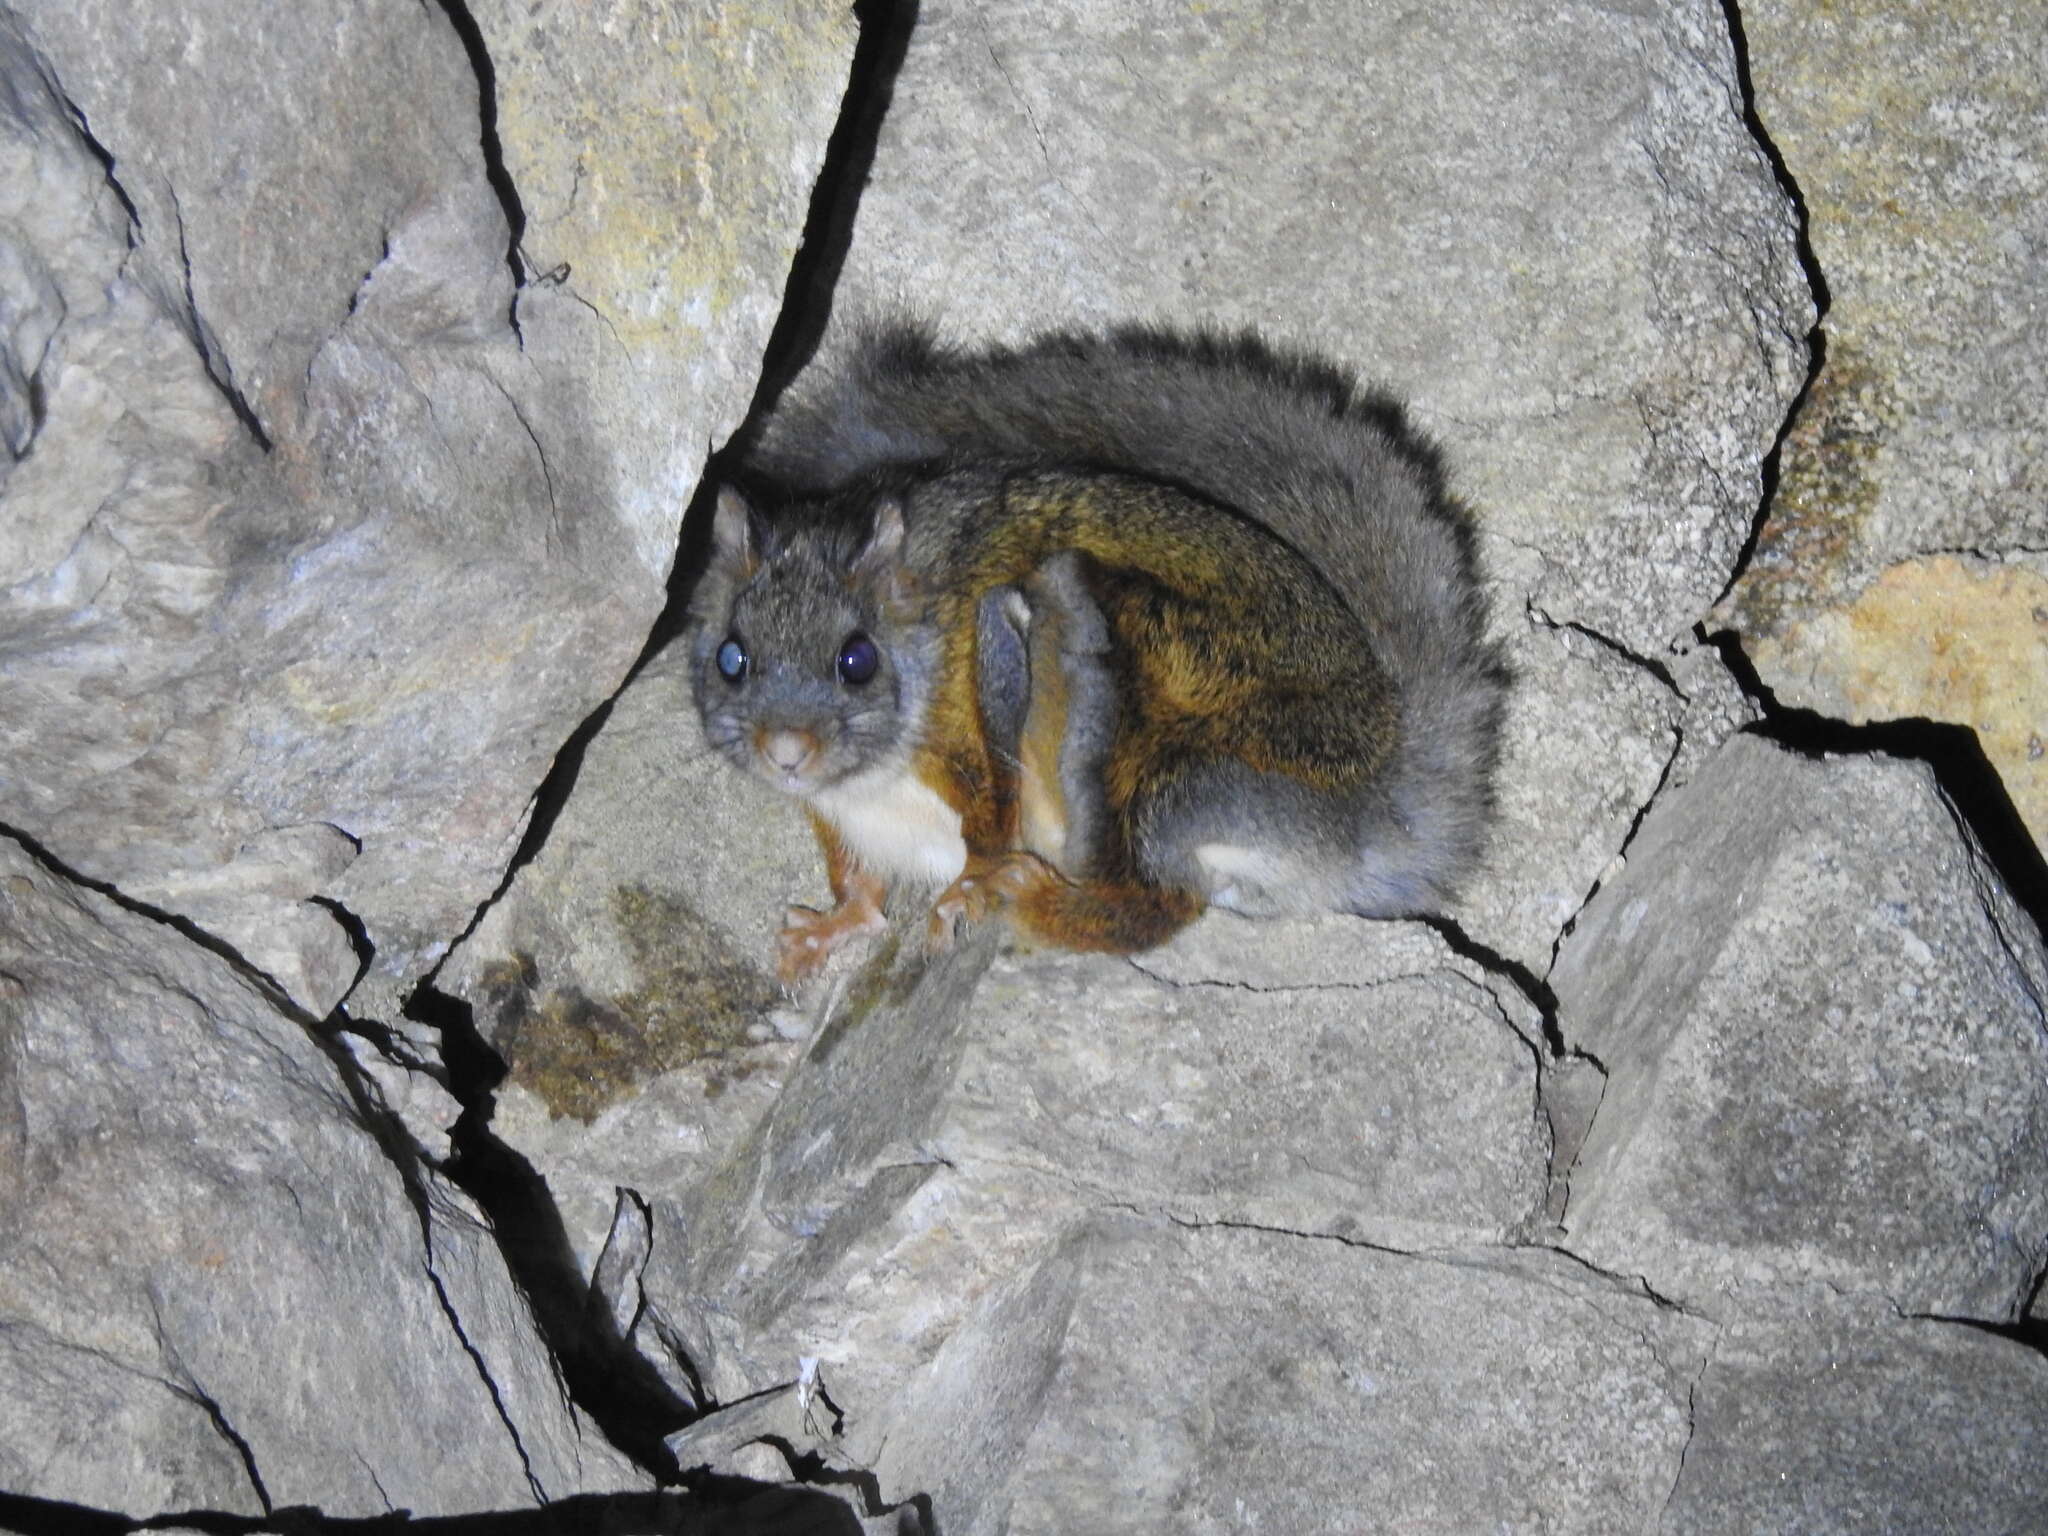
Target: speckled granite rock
1822,1022
1914,135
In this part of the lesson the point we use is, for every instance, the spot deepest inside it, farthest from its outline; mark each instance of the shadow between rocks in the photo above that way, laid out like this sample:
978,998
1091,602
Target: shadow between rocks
721,1507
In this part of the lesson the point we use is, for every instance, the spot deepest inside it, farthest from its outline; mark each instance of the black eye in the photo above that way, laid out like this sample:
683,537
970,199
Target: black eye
732,660
858,659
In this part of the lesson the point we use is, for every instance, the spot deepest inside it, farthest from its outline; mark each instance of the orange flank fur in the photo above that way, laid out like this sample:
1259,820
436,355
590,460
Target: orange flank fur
1225,644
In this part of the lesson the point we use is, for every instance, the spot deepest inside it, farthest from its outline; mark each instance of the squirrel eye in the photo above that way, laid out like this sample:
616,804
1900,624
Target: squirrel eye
732,660
858,659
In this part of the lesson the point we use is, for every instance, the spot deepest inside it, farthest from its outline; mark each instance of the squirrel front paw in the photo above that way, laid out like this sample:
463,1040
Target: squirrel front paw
809,937
984,889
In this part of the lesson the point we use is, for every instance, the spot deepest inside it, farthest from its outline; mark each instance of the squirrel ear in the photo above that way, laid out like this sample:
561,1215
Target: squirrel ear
885,544
732,531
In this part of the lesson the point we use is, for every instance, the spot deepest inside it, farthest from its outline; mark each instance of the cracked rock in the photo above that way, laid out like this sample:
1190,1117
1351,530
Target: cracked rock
1848,1423
1899,574
195,1214
1294,1385
625,974
1822,1022
311,535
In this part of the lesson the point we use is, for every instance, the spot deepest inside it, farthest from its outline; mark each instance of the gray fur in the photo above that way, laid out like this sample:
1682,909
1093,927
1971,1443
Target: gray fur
786,593
1004,682
1288,440
1071,634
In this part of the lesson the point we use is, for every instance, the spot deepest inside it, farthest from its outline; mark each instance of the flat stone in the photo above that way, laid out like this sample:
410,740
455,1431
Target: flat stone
1845,1424
1821,1019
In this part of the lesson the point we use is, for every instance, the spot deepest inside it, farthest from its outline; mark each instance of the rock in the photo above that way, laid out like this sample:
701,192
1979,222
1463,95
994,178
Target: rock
205,1242
1937,638
1850,1423
1913,138
328,524
625,974
1821,1018
660,167
1241,1379
1589,729
928,1150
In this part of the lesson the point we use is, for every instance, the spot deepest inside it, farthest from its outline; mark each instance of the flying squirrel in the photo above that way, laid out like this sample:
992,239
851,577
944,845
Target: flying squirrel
1099,632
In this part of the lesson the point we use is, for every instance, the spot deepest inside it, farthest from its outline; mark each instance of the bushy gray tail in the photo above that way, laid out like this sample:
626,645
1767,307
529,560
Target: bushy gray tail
1283,437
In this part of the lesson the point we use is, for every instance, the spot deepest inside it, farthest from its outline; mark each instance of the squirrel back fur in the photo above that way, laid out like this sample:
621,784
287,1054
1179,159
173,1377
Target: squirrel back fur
1286,440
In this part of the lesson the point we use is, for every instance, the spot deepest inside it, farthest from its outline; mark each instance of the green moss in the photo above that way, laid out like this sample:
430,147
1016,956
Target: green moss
696,999
1827,490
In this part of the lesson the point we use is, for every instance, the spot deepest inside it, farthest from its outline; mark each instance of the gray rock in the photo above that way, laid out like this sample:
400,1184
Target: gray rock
928,1151
1821,1018
1900,572
1589,739
625,974
205,1241
1216,1379
1851,1423
323,549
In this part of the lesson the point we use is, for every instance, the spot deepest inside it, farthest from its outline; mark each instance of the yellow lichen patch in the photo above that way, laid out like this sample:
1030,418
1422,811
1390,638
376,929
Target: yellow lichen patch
696,998
1953,640
648,140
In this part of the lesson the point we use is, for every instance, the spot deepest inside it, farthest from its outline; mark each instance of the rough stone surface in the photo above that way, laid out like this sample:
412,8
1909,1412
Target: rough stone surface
1822,1022
197,1210
1313,1387
662,152
349,404
323,546
1853,1422
1940,638
1914,136
626,975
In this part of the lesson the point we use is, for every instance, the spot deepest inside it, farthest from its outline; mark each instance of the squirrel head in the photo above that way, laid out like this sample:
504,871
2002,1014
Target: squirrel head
811,660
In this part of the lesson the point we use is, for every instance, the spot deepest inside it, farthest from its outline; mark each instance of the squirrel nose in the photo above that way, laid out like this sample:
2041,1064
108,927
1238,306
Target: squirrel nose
787,750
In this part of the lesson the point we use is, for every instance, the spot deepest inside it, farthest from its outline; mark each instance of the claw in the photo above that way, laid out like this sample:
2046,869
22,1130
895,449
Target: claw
810,937
988,889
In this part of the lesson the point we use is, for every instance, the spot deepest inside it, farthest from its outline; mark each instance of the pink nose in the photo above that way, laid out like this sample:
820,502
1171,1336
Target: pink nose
787,750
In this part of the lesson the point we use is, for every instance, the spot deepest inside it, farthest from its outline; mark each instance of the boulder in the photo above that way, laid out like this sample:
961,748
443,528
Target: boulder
331,516
219,1289
1900,573
1827,1059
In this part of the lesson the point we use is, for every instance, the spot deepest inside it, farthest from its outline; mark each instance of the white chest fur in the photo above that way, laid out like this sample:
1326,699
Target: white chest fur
896,827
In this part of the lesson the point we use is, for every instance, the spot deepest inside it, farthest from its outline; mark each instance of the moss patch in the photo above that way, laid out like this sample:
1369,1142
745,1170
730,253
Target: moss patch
1828,489
696,999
